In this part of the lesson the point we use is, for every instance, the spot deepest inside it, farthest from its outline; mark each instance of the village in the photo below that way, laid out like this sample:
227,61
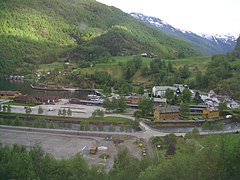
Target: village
165,109
177,102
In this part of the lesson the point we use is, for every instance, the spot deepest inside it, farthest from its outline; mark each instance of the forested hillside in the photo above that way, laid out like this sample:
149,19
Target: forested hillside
237,48
222,74
34,32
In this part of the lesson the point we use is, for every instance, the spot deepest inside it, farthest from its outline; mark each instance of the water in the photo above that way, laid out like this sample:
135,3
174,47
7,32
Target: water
25,89
171,129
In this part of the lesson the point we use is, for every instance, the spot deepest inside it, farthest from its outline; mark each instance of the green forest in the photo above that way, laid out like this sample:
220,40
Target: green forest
35,32
191,157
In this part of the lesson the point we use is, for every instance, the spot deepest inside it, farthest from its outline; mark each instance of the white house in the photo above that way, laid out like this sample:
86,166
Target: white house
160,91
233,104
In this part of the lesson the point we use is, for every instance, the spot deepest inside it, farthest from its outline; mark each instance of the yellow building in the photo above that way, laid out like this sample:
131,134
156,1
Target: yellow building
169,112
133,99
9,94
210,113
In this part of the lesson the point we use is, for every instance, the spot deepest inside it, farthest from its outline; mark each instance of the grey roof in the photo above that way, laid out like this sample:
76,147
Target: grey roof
168,109
164,88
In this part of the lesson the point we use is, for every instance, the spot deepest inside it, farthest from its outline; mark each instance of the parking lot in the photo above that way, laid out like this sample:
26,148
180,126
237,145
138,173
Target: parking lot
78,110
66,146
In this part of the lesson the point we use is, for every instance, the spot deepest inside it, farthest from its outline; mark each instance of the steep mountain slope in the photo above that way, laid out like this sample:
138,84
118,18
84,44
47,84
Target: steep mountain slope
206,44
237,48
34,32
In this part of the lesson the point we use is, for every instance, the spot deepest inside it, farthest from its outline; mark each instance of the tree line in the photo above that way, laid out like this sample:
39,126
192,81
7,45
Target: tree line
191,157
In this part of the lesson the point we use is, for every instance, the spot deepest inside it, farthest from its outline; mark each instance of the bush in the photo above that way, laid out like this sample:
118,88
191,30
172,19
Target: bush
104,156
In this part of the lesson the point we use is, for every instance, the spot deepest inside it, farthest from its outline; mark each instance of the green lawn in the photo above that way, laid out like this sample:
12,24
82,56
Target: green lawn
116,66
109,119
18,103
200,62
50,67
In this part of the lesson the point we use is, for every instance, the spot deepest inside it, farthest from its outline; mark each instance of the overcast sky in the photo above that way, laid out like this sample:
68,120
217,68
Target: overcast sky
199,16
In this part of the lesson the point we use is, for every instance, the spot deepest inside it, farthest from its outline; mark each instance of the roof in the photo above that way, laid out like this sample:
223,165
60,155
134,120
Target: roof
168,109
45,97
160,100
164,88
11,93
24,98
133,97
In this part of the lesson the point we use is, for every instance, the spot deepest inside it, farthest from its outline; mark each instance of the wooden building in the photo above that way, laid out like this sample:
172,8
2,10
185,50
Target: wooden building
133,99
9,94
168,112
23,99
46,99
210,113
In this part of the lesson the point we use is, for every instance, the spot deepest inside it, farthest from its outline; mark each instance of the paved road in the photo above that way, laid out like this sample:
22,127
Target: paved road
145,134
83,111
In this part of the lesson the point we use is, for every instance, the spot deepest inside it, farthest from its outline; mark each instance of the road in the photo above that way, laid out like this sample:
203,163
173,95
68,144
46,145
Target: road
83,111
145,134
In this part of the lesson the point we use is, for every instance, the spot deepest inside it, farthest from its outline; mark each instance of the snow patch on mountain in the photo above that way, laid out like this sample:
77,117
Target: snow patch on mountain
219,43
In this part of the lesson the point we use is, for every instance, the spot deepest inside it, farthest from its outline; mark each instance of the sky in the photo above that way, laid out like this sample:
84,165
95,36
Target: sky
199,16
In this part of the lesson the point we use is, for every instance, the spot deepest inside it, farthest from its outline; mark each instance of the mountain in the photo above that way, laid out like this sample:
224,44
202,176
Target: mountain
237,48
206,44
35,32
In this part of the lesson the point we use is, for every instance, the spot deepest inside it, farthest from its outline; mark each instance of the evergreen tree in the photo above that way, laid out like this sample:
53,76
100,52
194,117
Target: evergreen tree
69,112
40,110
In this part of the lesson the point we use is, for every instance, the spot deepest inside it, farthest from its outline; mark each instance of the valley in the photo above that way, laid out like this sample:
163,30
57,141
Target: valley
88,91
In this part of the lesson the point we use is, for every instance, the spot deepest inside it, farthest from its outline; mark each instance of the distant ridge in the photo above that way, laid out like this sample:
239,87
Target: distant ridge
206,44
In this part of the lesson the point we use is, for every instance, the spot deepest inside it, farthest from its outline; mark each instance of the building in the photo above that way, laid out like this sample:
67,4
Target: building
168,112
197,109
232,104
9,94
133,99
46,99
210,113
160,91
23,99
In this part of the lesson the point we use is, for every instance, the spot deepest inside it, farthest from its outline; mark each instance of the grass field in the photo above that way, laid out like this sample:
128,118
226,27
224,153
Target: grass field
50,67
200,62
116,66
109,119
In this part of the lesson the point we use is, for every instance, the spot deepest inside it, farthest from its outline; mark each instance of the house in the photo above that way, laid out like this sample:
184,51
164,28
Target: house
160,101
133,99
144,54
197,109
160,91
180,88
210,113
9,94
232,104
167,112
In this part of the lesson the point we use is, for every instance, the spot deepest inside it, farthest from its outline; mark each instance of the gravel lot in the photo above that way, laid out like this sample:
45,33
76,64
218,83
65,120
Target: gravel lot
66,146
